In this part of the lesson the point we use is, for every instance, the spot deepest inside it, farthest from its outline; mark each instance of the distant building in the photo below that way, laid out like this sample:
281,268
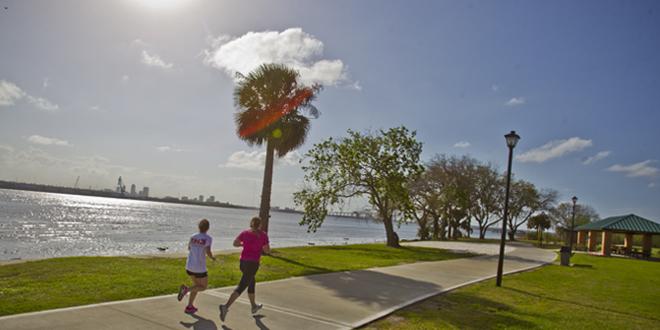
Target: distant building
211,199
184,198
120,186
144,192
133,190
201,198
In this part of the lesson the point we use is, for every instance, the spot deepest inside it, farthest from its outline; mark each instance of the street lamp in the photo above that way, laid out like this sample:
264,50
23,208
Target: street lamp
511,141
570,244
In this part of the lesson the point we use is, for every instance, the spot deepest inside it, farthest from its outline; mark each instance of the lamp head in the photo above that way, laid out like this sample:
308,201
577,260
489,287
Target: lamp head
512,139
574,199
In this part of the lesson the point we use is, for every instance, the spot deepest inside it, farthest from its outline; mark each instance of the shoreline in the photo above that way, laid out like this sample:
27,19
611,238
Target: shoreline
170,255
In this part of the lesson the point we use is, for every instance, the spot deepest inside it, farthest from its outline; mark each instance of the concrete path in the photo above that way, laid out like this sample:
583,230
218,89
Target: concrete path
341,300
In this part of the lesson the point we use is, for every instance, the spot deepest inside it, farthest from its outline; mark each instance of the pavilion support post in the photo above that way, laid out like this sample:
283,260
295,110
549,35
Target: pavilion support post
606,244
580,238
628,243
591,245
647,242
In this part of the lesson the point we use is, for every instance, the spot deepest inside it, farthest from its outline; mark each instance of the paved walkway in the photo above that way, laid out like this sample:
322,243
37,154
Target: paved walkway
328,301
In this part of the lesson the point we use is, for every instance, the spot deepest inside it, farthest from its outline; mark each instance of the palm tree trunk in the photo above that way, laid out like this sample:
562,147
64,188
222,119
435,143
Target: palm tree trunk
264,208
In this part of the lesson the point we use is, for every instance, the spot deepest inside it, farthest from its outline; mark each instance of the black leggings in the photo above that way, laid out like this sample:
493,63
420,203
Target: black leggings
249,270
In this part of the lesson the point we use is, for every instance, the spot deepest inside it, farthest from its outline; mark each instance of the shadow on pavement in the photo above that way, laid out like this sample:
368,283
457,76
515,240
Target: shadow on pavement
371,287
260,324
200,324
513,258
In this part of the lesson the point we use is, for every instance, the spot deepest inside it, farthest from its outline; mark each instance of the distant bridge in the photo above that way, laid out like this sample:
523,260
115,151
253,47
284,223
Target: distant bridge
353,214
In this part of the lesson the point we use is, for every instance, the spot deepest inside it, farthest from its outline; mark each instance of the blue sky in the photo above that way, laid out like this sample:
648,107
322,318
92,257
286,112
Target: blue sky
99,89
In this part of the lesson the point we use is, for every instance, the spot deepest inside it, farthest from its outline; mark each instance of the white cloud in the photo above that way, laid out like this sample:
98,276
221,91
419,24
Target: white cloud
462,144
140,43
168,148
42,140
596,157
652,185
46,82
42,103
6,148
515,101
641,169
95,108
255,160
155,60
125,78
9,93
292,47
554,149
494,88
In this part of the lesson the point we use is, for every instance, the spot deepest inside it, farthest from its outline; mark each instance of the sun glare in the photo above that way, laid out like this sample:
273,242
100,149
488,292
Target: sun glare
160,4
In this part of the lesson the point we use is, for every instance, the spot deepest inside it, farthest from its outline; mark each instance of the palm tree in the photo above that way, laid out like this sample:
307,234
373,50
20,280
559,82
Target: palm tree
274,108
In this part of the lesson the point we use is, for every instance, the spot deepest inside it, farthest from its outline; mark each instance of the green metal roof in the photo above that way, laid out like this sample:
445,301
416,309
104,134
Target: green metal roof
624,223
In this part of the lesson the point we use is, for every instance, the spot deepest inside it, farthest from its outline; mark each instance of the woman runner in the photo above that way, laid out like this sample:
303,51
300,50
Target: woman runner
254,242
199,246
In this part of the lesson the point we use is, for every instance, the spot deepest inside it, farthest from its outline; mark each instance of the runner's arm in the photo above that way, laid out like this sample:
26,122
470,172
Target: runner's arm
237,242
209,253
266,249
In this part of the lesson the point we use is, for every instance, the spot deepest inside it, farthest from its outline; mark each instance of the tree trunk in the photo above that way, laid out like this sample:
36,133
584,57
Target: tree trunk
264,208
443,230
436,227
392,237
468,230
512,234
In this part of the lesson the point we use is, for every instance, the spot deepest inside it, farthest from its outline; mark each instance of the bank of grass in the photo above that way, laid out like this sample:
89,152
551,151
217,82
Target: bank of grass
62,282
597,293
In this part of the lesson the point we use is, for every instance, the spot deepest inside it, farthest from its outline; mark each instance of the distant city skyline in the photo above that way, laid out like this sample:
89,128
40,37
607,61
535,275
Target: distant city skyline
97,90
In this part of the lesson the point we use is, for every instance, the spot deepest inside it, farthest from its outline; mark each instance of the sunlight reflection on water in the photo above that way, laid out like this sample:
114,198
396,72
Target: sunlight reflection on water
39,225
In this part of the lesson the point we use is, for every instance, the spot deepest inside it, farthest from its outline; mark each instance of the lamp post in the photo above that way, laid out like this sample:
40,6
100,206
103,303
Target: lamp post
570,244
511,141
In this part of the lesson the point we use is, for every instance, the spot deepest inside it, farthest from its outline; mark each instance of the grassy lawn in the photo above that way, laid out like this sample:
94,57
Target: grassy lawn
597,293
62,282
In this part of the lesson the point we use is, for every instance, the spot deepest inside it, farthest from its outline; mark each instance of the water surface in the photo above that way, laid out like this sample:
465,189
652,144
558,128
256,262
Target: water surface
42,225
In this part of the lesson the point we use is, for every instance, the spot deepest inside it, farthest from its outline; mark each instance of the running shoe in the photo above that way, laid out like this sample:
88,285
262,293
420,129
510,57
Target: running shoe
190,309
256,308
183,290
223,312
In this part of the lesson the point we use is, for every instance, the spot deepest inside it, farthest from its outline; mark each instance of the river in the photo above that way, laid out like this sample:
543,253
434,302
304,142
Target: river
35,225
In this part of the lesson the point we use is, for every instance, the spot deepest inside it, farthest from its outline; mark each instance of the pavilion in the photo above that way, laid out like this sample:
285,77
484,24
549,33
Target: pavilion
625,224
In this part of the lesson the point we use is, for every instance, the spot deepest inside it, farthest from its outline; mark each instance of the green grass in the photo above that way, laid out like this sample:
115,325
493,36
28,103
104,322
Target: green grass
63,282
597,293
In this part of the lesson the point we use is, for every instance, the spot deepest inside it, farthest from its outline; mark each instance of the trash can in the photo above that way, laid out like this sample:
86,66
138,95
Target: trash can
565,254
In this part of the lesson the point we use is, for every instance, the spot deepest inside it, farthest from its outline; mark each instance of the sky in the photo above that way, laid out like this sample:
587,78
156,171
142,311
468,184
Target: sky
143,89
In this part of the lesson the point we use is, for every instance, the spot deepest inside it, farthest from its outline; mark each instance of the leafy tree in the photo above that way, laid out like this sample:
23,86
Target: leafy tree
562,216
274,108
540,222
489,192
421,197
426,195
379,167
452,178
525,200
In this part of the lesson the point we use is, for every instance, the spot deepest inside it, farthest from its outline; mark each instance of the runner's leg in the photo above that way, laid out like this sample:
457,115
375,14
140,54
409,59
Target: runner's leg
200,284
